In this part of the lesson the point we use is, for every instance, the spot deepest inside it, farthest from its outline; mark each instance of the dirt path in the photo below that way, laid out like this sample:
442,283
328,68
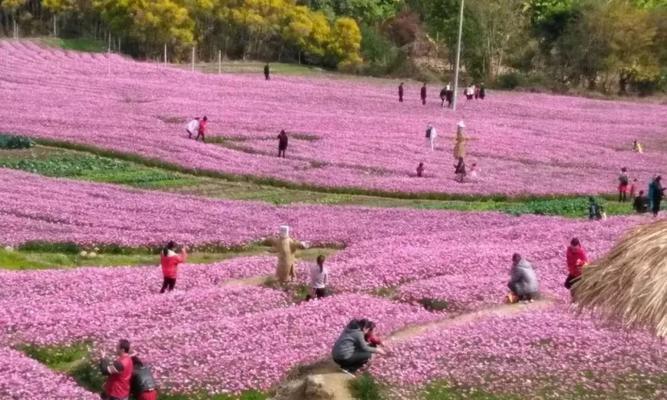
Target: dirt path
251,281
325,381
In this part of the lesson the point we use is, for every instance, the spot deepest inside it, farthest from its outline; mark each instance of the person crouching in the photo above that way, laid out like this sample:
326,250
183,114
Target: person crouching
351,351
523,280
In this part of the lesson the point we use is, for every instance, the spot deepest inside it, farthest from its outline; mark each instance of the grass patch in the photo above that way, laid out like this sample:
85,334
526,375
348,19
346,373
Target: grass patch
434,304
444,391
89,45
74,360
89,163
85,166
365,387
42,255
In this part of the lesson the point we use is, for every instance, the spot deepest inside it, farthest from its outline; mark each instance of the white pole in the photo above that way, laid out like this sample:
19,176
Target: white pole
109,47
219,62
55,26
193,59
165,54
16,28
458,59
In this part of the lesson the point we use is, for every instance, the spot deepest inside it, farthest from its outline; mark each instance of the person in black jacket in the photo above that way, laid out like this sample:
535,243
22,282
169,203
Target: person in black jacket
267,72
422,93
142,384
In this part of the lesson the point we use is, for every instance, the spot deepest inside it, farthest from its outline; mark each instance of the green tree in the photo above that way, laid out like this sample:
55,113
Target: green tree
363,11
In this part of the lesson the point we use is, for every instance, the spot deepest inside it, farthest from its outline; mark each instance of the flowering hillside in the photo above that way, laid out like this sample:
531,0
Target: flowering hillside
347,133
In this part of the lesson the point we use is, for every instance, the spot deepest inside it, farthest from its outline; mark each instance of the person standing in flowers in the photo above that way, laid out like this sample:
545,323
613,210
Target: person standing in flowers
420,170
282,143
192,127
169,261
422,93
351,351
400,93
595,211
523,280
623,182
482,91
449,95
460,170
119,374
267,72
576,261
286,248
655,194
201,129
319,278
142,384
637,147
431,134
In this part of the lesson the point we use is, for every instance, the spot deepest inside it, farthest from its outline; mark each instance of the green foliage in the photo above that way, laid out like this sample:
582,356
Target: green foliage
12,142
364,11
508,81
434,304
444,391
365,387
62,247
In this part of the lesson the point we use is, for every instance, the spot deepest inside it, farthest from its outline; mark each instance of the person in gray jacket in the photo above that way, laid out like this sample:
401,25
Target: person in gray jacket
523,280
351,351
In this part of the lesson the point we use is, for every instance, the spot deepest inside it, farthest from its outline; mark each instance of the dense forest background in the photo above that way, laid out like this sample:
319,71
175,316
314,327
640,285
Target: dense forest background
610,46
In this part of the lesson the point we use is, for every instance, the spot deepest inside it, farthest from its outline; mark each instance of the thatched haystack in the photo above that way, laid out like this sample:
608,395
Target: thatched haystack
629,284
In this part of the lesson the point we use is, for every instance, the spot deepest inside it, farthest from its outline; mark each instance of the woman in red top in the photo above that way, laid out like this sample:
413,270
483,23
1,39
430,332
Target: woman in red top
169,261
119,373
202,129
576,260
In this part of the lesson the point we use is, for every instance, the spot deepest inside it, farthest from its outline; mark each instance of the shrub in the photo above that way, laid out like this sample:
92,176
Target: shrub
13,142
365,388
509,81
434,304
48,247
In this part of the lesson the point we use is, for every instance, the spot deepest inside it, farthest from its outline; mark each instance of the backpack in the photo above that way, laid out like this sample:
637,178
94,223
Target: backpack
428,132
623,179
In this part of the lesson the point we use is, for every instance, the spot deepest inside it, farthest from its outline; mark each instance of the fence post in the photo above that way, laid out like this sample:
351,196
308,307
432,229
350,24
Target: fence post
165,54
55,26
193,59
219,62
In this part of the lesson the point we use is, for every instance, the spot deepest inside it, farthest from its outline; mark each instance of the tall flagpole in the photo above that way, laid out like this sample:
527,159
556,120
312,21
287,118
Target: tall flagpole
458,59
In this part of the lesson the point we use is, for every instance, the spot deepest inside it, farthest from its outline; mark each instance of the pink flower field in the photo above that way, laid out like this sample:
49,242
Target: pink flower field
358,135
462,259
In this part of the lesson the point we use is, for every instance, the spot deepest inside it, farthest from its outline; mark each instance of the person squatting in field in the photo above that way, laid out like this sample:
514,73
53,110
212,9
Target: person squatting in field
192,128
523,281
169,261
351,351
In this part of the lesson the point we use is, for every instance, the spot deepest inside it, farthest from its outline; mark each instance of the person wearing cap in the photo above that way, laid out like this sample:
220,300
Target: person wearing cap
655,194
460,141
431,134
286,248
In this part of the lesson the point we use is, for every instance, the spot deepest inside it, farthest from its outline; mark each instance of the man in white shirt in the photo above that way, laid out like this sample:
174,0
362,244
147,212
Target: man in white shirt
192,127
319,278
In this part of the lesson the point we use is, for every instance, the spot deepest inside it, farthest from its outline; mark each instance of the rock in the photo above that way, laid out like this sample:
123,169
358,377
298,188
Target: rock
92,254
315,388
9,249
83,253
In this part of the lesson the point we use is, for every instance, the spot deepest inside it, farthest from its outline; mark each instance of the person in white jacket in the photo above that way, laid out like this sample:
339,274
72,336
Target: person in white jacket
431,134
192,127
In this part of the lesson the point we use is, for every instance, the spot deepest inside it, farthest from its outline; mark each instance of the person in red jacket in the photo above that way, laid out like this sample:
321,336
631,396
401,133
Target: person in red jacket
117,386
169,261
576,260
202,129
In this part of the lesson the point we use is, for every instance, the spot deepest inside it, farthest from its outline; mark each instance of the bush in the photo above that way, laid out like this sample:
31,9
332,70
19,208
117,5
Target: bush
365,388
13,142
48,247
434,304
509,81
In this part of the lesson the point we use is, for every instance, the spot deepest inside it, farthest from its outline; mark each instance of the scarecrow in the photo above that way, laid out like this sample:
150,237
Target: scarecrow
286,248
629,284
460,142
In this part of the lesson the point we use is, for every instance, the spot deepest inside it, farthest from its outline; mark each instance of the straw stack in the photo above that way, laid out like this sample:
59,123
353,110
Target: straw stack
629,284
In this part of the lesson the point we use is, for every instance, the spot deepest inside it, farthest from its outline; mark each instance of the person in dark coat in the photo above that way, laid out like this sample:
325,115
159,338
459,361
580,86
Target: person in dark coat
482,91
400,93
594,209
460,170
282,143
267,72
640,204
351,351
142,383
655,194
443,96
423,94
449,95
